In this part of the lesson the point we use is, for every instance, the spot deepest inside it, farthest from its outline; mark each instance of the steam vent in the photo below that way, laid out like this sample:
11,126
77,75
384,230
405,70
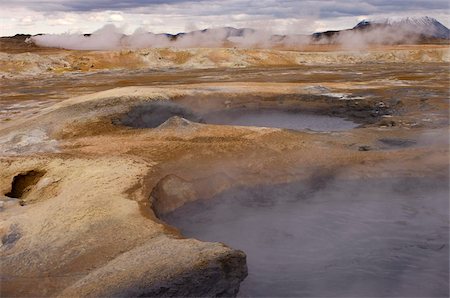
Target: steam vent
222,162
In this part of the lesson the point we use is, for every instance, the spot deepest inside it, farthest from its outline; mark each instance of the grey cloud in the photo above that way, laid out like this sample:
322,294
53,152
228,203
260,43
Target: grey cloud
86,5
408,4
170,14
280,8
118,5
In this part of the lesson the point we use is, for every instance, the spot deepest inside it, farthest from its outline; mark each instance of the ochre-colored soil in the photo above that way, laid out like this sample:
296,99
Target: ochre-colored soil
89,226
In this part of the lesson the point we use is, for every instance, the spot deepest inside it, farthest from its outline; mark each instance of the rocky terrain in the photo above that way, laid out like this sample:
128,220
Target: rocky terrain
54,63
86,176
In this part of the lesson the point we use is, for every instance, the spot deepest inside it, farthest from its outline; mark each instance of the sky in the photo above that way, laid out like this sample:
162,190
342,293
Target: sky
173,16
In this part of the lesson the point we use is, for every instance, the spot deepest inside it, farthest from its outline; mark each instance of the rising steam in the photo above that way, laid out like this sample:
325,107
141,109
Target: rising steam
112,38
365,33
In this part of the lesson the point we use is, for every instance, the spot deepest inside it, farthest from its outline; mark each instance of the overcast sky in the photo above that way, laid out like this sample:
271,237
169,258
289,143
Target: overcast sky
172,16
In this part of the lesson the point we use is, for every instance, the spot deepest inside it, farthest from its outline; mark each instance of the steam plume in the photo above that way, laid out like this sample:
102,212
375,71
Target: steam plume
365,33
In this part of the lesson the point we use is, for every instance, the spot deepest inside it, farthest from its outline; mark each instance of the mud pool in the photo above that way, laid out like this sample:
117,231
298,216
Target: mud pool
279,119
332,237
153,114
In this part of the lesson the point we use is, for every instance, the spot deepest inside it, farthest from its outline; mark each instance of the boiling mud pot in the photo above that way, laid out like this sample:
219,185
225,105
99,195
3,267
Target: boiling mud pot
342,238
278,119
150,115
153,114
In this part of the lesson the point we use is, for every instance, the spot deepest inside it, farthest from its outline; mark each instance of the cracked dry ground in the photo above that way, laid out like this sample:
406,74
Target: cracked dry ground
82,193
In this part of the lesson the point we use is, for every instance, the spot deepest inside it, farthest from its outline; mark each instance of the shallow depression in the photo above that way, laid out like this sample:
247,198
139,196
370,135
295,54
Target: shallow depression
344,238
153,114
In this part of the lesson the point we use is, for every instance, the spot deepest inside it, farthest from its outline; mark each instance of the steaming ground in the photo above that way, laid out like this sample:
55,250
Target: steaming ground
109,37
90,159
340,79
333,238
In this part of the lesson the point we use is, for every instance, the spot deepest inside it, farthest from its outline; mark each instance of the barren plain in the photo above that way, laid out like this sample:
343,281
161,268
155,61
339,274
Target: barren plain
99,148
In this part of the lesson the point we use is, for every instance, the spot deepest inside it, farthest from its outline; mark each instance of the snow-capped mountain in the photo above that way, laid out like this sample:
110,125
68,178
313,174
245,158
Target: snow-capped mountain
425,26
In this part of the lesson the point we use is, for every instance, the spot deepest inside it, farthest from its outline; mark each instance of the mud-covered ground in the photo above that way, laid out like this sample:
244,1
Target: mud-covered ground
95,159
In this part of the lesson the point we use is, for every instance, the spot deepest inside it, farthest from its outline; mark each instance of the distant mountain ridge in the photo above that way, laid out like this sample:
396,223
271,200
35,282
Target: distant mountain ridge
229,32
409,28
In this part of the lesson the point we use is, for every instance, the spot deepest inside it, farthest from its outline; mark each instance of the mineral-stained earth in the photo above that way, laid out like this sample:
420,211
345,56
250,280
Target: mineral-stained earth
97,148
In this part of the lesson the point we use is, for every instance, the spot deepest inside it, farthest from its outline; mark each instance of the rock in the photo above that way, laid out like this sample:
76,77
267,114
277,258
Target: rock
4,198
177,270
45,182
172,192
318,89
364,148
381,105
397,142
34,140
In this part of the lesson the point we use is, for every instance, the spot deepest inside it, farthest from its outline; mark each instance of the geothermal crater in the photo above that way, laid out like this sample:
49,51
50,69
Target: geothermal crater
153,114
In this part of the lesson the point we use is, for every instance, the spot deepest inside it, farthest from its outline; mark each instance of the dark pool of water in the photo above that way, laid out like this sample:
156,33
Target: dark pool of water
279,119
360,238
